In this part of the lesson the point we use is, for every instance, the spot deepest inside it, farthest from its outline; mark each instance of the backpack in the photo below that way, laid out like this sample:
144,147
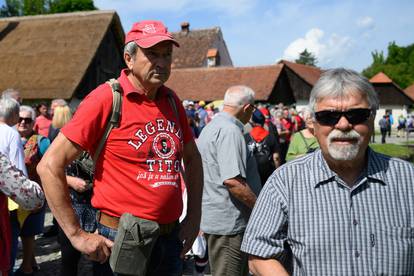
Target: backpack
263,155
260,150
32,156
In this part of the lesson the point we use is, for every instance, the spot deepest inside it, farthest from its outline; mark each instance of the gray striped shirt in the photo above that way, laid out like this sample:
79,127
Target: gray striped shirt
311,221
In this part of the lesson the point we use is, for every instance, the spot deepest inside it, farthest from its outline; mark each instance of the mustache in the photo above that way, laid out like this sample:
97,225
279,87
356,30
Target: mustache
337,134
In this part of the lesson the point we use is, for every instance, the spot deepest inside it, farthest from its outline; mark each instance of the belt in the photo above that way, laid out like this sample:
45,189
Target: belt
112,222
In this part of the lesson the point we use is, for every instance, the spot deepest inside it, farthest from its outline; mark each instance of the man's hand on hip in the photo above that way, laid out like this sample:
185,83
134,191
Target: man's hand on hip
94,246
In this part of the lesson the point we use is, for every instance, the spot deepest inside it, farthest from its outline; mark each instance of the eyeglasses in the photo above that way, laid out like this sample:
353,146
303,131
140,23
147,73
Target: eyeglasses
26,120
354,116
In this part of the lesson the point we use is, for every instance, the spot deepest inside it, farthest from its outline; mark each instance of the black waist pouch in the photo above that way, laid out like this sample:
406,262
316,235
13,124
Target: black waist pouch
133,245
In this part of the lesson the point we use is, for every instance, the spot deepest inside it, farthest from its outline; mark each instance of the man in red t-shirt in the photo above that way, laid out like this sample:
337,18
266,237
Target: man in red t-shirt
288,128
138,170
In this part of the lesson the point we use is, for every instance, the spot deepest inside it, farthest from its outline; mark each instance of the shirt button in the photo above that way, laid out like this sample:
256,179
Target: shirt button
357,254
355,222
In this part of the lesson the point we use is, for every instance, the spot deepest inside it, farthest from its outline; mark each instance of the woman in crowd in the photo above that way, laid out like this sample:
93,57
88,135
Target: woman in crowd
303,141
26,193
43,120
29,224
61,116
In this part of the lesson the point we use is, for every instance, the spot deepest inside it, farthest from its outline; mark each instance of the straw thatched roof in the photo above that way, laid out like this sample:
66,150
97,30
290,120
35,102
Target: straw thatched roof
47,56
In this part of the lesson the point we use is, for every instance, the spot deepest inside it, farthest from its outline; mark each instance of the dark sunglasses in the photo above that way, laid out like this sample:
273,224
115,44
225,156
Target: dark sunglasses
26,120
354,116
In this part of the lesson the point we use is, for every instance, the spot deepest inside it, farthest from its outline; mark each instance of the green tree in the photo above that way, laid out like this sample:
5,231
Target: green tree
398,65
59,6
11,8
306,58
33,7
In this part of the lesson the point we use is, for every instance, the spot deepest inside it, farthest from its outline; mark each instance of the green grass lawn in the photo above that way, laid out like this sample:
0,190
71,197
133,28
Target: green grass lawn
400,151
409,142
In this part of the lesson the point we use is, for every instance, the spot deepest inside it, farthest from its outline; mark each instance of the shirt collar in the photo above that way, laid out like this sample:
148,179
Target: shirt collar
128,87
323,174
376,167
233,119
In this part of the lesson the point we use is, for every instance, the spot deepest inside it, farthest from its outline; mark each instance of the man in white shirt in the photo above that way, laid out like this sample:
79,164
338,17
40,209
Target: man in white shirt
10,144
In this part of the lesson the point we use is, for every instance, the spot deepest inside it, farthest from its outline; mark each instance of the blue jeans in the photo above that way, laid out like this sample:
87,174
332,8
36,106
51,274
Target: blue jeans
165,258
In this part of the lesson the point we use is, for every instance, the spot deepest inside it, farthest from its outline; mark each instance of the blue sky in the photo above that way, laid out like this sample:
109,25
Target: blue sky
260,32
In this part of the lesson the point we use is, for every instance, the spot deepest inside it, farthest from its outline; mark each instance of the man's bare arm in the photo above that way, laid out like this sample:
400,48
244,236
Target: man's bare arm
239,188
194,184
266,267
51,170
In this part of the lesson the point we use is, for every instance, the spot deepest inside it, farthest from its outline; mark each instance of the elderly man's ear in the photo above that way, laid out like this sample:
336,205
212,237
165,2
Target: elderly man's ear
129,61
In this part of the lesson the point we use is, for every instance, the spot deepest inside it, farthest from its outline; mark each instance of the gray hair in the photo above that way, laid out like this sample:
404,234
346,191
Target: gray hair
26,108
10,93
306,112
340,82
9,107
59,102
131,49
239,95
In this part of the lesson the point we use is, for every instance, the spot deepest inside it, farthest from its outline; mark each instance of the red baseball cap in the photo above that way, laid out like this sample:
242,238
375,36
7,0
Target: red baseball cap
147,33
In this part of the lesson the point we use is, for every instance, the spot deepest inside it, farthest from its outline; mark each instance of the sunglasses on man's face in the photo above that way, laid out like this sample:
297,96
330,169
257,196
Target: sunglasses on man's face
354,116
26,120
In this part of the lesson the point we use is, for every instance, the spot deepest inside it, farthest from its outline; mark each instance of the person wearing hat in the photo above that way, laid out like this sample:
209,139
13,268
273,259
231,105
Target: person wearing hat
201,114
132,174
264,146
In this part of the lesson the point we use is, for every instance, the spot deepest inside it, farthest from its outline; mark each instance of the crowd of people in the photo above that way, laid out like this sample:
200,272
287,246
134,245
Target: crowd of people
136,185
25,137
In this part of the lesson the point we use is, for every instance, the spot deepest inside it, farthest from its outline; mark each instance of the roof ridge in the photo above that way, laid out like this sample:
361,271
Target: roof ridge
215,28
229,68
410,87
381,77
298,64
57,15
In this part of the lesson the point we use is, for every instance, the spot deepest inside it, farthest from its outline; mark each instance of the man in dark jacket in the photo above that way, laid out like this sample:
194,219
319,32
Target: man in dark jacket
264,145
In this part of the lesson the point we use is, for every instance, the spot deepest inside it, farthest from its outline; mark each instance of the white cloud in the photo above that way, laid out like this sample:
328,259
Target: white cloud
365,22
329,52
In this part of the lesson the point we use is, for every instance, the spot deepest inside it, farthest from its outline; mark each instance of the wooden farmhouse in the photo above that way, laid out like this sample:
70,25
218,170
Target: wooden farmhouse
285,82
60,55
392,98
200,48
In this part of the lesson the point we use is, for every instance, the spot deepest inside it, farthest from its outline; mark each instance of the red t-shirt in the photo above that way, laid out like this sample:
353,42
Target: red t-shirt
42,125
5,235
138,169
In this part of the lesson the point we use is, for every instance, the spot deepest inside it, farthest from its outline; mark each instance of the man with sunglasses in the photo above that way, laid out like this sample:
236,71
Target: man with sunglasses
344,209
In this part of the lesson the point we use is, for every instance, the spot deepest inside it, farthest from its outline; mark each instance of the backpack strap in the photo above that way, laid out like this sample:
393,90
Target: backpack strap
304,140
115,115
173,105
